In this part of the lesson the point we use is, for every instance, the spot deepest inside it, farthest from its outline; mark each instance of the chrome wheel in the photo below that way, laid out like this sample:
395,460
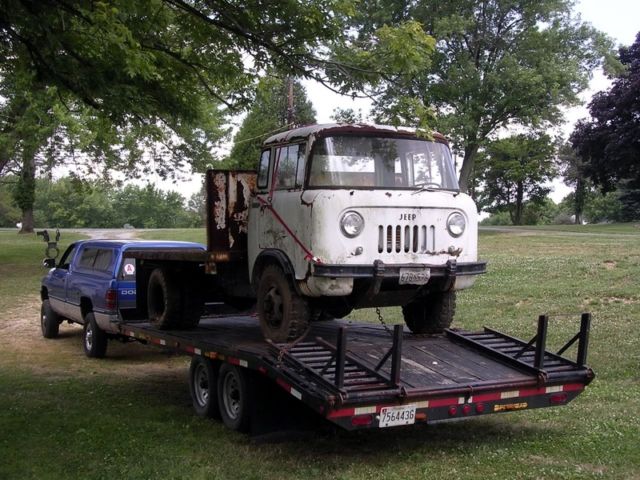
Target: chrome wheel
88,337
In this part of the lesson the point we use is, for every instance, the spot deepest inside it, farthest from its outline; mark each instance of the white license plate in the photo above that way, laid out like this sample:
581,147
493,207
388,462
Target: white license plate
402,415
414,276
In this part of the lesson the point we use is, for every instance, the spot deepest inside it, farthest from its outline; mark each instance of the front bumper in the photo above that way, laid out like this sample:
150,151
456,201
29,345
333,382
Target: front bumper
367,282
450,269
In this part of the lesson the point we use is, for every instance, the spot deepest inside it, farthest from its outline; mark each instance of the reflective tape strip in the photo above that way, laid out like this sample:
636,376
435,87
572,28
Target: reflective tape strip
422,404
296,393
554,389
364,410
163,342
243,363
197,351
512,394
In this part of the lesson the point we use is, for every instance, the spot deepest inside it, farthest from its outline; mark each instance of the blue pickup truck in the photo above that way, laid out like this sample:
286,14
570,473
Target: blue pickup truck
94,284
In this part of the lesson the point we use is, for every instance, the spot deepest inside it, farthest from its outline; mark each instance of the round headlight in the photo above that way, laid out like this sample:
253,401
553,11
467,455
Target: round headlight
456,224
351,224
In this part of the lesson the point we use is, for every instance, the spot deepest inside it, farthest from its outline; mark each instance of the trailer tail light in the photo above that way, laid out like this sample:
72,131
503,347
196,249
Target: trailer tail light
558,399
480,408
453,411
466,410
111,299
361,420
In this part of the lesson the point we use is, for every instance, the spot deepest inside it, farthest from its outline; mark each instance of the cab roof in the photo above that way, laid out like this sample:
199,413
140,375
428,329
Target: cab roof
127,244
344,128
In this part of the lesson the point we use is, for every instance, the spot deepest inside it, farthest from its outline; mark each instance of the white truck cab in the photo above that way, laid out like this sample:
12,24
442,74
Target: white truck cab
355,216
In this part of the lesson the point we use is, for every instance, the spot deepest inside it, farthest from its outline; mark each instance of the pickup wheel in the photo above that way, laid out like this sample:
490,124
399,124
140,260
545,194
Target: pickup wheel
203,379
235,397
49,320
94,338
284,315
431,314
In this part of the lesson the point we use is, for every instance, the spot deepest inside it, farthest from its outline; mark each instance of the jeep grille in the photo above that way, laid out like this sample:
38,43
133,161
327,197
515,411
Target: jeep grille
405,238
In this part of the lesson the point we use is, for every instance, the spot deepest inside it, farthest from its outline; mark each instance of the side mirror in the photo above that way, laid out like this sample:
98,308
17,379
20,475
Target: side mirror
49,263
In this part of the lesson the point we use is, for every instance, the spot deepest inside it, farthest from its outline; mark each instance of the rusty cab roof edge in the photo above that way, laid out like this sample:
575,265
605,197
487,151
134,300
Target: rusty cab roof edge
302,133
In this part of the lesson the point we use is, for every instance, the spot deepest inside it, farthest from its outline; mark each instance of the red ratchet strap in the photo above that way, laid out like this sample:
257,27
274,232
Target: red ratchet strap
309,256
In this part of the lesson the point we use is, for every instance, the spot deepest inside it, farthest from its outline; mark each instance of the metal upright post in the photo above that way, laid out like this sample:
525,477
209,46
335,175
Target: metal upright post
341,350
396,358
541,341
583,342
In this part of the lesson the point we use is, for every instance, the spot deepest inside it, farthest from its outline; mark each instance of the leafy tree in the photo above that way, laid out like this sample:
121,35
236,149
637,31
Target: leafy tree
9,213
74,203
498,63
269,114
514,170
608,143
147,84
347,115
572,170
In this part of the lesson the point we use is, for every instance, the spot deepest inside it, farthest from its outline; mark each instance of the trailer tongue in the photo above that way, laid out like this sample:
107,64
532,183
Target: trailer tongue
360,375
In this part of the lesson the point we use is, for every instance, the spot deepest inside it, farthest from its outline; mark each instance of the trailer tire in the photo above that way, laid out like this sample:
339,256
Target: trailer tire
49,320
235,397
430,314
284,315
203,385
164,299
94,339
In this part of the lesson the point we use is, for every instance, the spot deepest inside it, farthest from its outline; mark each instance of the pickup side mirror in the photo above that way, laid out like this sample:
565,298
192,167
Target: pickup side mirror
49,263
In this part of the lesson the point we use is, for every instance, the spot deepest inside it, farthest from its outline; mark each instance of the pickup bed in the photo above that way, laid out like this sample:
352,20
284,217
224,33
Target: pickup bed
94,284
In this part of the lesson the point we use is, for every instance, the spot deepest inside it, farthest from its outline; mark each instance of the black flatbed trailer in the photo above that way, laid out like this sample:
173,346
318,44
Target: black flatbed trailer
361,375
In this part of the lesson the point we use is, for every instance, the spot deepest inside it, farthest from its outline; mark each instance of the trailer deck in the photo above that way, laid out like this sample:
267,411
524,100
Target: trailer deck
361,375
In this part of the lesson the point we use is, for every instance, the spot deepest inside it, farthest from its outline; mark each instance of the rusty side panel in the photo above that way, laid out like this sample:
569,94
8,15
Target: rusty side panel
228,203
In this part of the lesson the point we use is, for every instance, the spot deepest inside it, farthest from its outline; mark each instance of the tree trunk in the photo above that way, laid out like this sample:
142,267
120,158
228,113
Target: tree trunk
470,152
519,207
26,190
578,206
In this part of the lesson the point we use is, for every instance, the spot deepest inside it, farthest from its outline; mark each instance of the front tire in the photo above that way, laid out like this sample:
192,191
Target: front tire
284,315
94,338
432,313
49,320
235,397
203,379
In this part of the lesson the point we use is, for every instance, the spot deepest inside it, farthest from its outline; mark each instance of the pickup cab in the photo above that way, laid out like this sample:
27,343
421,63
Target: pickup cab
94,285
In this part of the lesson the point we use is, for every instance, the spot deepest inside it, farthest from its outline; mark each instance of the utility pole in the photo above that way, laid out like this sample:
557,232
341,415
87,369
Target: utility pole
290,117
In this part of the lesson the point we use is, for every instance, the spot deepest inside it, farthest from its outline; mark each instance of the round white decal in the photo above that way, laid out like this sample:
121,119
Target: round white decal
129,269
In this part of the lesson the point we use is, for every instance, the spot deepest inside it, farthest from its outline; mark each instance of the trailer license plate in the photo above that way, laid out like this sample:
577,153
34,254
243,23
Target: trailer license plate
402,415
414,276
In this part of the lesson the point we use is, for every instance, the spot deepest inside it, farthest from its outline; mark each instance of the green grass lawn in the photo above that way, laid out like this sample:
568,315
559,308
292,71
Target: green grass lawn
129,415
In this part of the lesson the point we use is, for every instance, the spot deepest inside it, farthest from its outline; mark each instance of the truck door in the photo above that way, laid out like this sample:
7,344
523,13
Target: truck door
284,224
57,285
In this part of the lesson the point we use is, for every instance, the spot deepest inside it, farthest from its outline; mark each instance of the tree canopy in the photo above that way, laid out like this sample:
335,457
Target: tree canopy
268,115
497,63
147,85
514,171
609,142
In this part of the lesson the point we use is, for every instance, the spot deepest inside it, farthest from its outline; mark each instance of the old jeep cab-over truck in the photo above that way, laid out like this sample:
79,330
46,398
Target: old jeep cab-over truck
337,217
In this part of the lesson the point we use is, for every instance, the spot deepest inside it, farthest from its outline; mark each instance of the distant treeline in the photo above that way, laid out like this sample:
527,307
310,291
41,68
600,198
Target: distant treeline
74,203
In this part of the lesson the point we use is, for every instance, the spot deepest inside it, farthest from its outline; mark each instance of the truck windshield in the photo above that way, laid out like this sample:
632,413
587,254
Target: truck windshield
381,162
